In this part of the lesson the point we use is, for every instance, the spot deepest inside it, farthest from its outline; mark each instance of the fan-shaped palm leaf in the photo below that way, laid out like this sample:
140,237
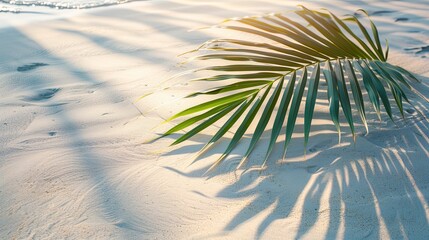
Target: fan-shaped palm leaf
275,72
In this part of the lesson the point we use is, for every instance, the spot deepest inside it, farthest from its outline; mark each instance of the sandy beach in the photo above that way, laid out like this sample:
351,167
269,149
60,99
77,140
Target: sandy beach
74,163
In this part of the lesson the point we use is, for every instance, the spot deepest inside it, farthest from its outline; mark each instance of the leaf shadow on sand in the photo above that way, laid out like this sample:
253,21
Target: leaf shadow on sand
379,186
355,195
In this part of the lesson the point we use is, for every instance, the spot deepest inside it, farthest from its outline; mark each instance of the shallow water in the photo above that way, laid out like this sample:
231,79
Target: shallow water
66,4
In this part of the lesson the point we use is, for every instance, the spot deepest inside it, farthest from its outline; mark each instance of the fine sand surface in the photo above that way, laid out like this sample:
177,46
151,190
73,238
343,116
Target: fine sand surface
73,163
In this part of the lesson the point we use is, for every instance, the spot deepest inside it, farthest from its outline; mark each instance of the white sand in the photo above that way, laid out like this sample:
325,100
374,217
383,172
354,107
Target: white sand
72,162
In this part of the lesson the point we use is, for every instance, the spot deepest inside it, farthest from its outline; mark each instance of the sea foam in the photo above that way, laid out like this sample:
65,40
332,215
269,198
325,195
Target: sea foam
66,4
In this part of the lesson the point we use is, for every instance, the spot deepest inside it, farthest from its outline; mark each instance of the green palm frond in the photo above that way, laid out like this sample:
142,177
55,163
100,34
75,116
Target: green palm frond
292,58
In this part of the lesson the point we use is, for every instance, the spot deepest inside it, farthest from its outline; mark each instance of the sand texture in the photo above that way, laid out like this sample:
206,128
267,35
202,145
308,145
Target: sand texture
73,164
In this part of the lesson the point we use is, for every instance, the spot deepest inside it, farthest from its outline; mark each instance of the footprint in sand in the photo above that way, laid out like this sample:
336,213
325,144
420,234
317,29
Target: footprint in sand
423,49
29,67
410,111
420,50
380,13
402,19
320,146
42,95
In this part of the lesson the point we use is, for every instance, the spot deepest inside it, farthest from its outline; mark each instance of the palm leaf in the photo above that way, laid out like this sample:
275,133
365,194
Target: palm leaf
270,77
